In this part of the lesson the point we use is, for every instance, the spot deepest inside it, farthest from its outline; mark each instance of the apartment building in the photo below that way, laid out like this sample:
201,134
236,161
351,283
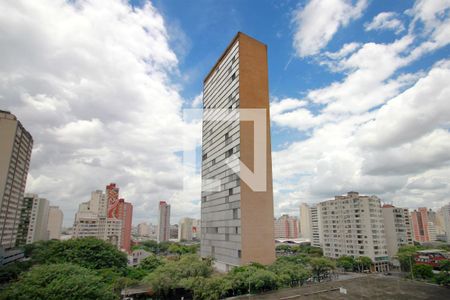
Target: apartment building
54,224
16,144
103,217
445,210
37,225
397,227
316,226
286,227
188,229
237,220
352,225
305,221
420,223
164,222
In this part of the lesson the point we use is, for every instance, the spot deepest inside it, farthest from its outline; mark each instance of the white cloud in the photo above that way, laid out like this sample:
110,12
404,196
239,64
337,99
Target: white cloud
198,101
286,104
91,81
346,50
410,115
385,20
319,20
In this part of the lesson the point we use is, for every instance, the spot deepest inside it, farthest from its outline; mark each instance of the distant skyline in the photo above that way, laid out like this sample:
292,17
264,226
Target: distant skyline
359,96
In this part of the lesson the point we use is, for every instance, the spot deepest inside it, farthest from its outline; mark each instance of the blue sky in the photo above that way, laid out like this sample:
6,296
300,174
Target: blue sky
359,96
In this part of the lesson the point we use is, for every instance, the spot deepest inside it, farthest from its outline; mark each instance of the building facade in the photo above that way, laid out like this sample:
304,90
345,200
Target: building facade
445,211
397,227
237,221
316,237
305,221
188,229
420,223
55,220
163,222
105,217
37,229
286,227
143,229
352,225
16,144
24,222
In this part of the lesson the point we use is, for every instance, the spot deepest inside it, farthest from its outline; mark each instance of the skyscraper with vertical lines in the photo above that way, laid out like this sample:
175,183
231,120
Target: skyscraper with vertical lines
236,221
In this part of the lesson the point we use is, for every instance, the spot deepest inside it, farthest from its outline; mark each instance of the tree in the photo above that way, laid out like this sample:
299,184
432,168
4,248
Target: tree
12,271
405,256
212,288
150,263
59,281
321,267
90,253
290,274
263,280
167,277
363,263
346,262
443,277
444,266
423,271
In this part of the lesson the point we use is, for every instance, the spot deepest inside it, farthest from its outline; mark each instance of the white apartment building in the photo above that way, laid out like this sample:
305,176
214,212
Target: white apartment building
445,211
54,224
352,225
16,144
316,237
305,221
91,220
397,227
143,229
37,228
188,229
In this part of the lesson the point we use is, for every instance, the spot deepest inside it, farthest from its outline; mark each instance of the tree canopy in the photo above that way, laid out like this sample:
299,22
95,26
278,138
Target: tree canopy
90,253
59,282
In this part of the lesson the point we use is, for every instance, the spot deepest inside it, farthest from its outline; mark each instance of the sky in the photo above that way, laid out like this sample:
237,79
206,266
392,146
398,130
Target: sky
359,91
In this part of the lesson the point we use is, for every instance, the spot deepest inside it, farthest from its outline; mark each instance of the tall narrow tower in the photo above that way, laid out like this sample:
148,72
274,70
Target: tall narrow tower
237,218
164,222
15,153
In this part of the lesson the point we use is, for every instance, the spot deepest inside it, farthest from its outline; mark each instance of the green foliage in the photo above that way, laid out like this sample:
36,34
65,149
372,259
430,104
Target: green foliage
423,271
59,281
203,288
363,263
182,249
254,277
90,253
12,271
166,278
290,273
321,267
346,262
405,256
444,266
443,277
300,249
150,263
135,273
263,280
